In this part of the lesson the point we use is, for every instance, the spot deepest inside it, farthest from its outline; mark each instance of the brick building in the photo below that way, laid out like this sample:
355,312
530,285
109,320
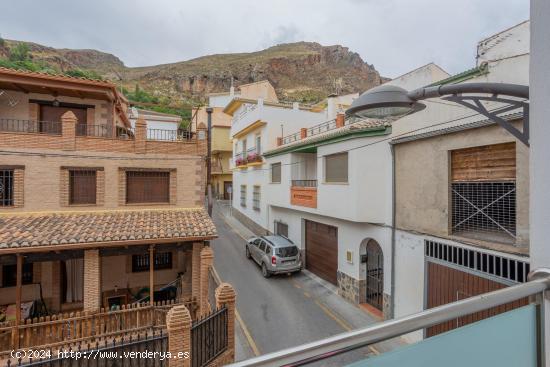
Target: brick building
94,214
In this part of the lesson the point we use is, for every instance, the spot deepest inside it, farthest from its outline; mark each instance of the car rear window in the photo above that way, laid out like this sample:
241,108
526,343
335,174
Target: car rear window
287,251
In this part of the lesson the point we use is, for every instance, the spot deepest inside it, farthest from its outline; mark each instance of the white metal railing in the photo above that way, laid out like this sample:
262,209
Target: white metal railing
538,285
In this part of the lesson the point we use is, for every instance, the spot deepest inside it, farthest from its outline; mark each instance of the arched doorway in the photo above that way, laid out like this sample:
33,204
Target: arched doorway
374,275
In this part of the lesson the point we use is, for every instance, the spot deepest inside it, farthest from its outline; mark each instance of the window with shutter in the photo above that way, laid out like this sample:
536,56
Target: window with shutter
276,173
147,187
82,186
336,168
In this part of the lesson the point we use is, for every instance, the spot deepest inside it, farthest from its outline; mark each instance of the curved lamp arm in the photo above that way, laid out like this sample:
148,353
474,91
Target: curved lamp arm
512,90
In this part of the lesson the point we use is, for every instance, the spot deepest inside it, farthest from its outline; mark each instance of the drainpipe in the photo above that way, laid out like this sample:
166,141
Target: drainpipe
209,111
393,206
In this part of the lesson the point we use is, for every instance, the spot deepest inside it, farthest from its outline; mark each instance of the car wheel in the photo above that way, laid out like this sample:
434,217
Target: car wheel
265,272
248,256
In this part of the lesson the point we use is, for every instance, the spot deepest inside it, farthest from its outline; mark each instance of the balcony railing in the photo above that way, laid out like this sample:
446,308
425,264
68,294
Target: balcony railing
304,183
30,126
169,135
512,338
253,155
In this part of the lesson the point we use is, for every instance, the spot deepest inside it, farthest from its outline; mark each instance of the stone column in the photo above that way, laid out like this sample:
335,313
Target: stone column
207,256
178,325
92,280
196,272
225,295
140,136
68,130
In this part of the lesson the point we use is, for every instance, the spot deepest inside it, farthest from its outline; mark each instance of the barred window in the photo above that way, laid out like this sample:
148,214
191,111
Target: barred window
82,186
163,260
6,187
276,173
256,198
483,192
9,275
147,187
336,168
243,196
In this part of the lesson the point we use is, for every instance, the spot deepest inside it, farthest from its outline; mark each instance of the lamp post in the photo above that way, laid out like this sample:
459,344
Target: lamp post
209,111
391,101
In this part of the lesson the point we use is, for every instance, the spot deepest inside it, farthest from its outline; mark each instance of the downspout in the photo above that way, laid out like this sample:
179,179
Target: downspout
393,206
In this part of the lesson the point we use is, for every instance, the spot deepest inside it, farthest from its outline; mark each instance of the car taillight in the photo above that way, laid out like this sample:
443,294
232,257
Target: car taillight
273,260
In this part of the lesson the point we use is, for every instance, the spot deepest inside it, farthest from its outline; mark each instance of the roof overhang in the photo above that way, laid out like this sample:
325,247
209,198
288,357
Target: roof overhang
247,130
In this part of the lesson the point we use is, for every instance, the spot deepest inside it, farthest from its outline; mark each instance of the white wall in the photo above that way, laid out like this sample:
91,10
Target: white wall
508,43
424,75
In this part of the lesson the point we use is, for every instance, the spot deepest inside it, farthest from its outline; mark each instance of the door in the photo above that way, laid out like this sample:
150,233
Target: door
322,250
446,285
375,275
53,114
227,188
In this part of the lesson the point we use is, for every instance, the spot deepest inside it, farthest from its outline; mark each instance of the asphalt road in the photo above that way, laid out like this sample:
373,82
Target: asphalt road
283,311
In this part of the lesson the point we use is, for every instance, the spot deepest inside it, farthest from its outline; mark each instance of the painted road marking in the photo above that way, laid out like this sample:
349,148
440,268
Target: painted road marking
247,334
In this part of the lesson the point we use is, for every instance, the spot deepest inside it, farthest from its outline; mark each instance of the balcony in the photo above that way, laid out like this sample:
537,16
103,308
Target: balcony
304,193
511,338
68,135
252,157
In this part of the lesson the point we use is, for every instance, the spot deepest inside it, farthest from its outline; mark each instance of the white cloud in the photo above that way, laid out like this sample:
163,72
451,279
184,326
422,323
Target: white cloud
394,35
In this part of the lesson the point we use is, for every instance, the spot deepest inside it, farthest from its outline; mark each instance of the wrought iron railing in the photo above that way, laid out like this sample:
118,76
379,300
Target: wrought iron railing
99,131
169,135
30,126
321,128
240,159
209,337
304,183
291,138
253,155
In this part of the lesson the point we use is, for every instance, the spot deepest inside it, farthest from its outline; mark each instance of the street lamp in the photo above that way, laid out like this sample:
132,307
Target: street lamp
388,101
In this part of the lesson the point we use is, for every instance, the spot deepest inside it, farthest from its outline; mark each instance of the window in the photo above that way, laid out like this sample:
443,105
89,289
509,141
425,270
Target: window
244,146
9,275
268,249
262,246
256,198
243,196
258,144
336,168
483,192
163,260
6,187
147,187
82,186
281,229
276,173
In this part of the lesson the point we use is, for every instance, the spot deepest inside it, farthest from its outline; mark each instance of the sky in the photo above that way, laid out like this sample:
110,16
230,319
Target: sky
395,36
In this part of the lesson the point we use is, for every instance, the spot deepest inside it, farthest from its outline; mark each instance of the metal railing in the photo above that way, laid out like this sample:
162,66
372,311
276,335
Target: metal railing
304,183
99,131
321,128
253,155
169,135
291,138
209,338
345,342
30,126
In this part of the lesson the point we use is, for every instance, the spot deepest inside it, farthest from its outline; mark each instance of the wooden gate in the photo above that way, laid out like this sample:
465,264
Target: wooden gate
446,285
375,275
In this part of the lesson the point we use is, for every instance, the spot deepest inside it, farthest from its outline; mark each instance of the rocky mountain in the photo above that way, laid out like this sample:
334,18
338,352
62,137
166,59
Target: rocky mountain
304,71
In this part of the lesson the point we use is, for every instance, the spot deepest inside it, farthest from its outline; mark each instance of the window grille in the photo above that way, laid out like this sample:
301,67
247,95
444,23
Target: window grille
147,187
484,210
163,260
281,229
498,266
82,186
256,198
243,196
6,187
9,275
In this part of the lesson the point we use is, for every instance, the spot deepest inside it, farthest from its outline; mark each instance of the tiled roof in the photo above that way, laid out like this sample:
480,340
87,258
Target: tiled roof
56,76
59,228
352,127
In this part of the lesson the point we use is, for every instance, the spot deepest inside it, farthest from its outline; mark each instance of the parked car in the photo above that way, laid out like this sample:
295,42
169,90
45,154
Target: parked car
274,254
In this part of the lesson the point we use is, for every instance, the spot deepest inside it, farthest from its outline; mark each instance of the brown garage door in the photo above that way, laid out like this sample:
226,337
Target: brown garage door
322,250
446,285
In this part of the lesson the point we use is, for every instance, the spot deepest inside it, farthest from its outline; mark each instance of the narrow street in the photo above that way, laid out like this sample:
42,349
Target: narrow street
282,311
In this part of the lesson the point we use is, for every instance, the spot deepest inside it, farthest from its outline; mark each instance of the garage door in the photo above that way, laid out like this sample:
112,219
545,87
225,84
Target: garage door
446,285
322,250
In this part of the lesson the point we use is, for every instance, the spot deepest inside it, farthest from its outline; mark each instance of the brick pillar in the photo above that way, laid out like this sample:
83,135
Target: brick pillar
340,120
178,324
303,133
196,272
279,141
202,140
68,130
92,280
141,136
225,295
207,256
